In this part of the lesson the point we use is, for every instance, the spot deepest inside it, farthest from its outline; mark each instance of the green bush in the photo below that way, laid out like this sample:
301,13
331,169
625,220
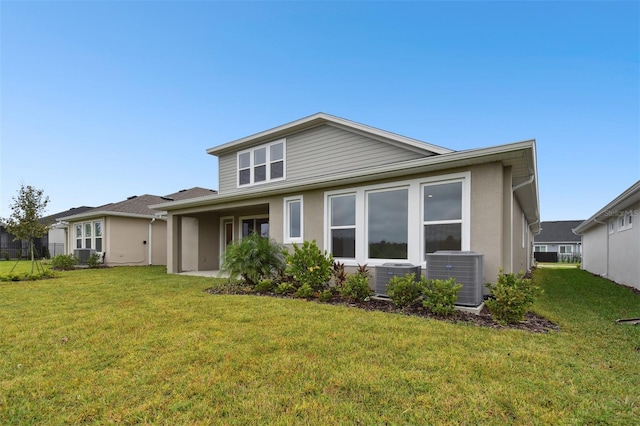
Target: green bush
305,291
440,296
4,254
405,291
325,295
264,286
94,260
284,288
512,296
309,265
254,258
64,262
356,288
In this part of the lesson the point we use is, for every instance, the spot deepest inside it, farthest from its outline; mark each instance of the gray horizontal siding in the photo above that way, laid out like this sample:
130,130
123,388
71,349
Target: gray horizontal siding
322,151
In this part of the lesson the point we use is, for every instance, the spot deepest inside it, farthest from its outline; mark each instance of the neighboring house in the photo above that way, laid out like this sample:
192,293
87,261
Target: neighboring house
366,195
55,240
127,232
558,237
611,239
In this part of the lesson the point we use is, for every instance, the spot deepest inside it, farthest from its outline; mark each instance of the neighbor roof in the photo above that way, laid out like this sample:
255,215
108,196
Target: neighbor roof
72,211
321,118
138,205
623,201
560,231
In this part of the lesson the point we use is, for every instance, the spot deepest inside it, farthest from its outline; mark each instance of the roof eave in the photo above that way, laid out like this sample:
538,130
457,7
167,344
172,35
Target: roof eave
627,198
317,120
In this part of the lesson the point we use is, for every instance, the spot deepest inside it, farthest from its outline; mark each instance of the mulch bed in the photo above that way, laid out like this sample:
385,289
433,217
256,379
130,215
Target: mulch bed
532,323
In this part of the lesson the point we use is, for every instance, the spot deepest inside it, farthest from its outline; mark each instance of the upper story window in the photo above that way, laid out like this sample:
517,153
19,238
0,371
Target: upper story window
261,164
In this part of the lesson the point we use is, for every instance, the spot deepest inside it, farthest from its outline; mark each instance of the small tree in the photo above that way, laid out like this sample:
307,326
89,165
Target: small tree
28,208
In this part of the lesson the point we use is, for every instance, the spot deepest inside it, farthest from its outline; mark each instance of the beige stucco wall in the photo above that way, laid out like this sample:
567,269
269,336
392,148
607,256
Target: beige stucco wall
491,233
486,216
125,239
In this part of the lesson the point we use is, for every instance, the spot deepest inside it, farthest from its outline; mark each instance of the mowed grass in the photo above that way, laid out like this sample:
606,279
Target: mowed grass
135,345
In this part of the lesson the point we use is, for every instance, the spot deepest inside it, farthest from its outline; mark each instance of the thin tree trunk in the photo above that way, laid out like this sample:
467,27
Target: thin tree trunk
32,255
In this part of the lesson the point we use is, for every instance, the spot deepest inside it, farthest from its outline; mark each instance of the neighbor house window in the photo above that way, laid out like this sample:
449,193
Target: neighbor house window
261,164
626,220
541,248
293,220
565,249
79,236
98,235
388,224
442,216
89,235
611,227
342,223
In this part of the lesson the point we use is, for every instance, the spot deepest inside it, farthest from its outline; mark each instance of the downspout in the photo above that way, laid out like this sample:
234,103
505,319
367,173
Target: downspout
513,190
151,240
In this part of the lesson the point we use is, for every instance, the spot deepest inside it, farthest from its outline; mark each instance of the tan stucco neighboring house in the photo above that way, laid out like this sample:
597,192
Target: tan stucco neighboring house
611,239
127,232
366,195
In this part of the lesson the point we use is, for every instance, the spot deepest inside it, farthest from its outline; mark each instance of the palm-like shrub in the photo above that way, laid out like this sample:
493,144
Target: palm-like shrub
254,258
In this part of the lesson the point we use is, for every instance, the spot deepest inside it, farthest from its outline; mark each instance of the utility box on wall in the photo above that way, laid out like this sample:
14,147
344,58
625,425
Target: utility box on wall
467,267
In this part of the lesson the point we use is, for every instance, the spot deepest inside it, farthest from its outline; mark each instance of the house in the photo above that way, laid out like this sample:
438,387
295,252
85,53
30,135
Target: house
55,240
557,237
365,195
611,239
128,232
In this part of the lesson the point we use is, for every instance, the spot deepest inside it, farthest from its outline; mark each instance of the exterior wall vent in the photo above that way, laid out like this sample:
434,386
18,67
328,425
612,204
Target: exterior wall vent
467,267
389,270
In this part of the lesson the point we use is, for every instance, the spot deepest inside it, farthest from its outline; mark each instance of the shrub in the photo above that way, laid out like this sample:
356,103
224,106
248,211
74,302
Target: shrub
284,288
264,286
94,260
309,265
325,295
64,262
512,296
440,296
339,274
356,288
405,291
4,254
305,291
254,258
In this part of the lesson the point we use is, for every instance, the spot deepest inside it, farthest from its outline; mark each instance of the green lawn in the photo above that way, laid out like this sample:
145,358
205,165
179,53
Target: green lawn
135,345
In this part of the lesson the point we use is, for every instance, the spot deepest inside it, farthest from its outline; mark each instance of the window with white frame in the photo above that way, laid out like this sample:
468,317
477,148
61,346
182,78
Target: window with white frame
342,226
262,164
626,220
442,208
612,226
540,248
293,220
403,220
564,249
388,224
89,235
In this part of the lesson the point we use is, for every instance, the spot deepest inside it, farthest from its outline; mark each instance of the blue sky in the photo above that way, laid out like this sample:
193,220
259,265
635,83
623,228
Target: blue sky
103,100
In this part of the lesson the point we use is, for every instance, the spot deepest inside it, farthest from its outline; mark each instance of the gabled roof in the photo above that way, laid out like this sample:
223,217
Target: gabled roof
622,202
560,231
139,205
321,118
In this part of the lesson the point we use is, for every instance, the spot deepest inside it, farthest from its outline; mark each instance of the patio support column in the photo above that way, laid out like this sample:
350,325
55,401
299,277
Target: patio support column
174,238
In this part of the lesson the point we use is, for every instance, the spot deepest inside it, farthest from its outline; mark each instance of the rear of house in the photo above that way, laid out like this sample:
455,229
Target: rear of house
365,195
557,242
127,232
611,239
